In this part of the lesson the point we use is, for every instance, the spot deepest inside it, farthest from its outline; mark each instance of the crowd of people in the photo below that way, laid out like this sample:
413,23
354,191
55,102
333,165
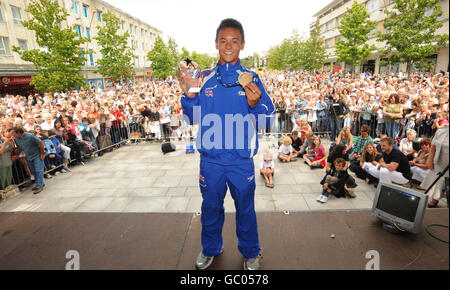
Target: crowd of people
357,113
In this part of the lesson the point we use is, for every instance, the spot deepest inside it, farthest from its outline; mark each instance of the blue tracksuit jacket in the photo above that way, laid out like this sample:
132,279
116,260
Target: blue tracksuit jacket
220,139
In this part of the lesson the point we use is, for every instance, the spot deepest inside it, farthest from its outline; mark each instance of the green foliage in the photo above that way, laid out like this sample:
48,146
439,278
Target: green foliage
296,52
162,62
60,57
314,52
410,34
117,60
355,27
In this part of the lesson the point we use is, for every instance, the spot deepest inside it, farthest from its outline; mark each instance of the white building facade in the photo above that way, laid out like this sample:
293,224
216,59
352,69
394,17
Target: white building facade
85,15
329,19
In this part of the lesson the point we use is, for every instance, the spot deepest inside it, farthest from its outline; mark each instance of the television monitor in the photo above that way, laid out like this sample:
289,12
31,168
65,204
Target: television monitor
399,206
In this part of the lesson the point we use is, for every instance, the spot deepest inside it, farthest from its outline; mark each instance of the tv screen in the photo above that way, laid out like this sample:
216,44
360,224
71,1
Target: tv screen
398,203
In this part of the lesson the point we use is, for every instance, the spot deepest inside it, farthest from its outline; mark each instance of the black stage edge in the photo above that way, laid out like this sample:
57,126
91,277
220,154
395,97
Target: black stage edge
169,241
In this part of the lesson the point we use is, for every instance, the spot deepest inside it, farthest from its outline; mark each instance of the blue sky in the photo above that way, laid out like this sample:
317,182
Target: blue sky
193,23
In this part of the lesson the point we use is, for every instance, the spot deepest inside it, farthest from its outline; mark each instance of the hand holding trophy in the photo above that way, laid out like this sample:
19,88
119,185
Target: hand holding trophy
190,77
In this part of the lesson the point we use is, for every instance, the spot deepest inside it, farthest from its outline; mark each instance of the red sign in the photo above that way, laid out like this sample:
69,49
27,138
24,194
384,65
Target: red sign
15,80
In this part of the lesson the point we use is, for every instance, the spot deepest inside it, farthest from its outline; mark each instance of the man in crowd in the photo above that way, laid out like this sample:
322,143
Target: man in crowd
394,167
34,151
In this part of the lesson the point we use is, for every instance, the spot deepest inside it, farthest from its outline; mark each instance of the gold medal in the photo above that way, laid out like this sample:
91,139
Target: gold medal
245,78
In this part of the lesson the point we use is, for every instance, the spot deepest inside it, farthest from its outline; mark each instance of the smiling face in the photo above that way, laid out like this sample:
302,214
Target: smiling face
229,44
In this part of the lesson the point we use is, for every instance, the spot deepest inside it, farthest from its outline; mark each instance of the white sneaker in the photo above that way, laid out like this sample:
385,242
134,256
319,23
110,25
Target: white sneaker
32,177
319,198
324,199
63,170
56,173
52,166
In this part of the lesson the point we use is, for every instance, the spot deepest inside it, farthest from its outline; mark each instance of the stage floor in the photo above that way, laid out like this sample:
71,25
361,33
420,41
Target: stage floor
298,241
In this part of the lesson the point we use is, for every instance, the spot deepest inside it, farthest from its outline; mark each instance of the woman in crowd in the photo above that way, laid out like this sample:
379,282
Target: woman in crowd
419,165
406,145
369,158
393,112
345,137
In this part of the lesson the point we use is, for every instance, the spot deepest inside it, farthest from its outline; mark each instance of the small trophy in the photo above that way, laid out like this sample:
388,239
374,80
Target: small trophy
190,75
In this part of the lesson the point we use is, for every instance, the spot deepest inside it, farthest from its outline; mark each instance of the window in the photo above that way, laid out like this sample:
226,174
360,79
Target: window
330,25
373,32
1,16
329,43
74,8
85,14
372,5
135,29
99,16
131,28
17,17
78,30
88,33
123,25
339,19
443,6
4,46
143,46
91,58
22,44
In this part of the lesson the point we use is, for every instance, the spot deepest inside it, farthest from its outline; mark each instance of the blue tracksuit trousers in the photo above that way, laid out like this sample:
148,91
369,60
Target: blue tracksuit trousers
214,181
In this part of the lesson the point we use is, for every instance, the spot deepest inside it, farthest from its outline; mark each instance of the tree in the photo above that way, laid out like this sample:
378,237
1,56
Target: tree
116,62
313,51
162,60
411,32
355,27
60,57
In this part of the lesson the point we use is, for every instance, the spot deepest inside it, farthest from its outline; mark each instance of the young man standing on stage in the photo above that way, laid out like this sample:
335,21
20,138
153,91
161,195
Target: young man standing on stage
229,112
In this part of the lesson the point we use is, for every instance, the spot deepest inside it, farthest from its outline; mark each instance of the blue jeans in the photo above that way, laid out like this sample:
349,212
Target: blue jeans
392,129
320,124
37,168
335,127
282,124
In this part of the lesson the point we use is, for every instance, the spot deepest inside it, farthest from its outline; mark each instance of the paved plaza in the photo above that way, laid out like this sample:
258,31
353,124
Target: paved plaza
139,178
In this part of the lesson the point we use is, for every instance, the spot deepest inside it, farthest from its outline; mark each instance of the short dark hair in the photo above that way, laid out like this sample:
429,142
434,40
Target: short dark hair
230,23
387,140
365,128
339,161
18,130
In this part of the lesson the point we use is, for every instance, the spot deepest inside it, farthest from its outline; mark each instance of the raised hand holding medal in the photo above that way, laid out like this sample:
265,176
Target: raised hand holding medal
190,77
251,89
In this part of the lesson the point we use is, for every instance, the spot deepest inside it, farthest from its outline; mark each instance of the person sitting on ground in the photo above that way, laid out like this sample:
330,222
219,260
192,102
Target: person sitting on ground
393,167
339,152
308,145
267,168
335,182
369,158
420,166
406,144
345,137
296,144
360,142
319,157
286,151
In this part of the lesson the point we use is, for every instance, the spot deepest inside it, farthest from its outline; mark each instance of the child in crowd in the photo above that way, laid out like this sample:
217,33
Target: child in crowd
267,168
335,181
440,121
308,145
319,156
286,151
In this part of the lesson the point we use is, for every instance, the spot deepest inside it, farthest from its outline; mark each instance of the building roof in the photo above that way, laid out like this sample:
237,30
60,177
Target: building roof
331,5
127,14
